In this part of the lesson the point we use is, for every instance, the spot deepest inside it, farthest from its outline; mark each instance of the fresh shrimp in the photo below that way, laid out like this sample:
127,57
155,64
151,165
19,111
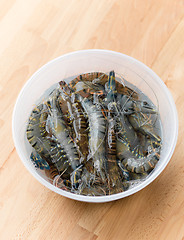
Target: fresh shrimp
114,178
113,173
62,136
36,131
141,122
78,120
140,164
94,77
97,131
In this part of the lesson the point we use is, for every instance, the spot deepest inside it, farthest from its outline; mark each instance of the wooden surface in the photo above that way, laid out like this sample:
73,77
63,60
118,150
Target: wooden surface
32,32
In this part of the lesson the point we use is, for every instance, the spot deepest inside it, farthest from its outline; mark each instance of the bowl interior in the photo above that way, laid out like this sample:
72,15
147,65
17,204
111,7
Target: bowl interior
89,61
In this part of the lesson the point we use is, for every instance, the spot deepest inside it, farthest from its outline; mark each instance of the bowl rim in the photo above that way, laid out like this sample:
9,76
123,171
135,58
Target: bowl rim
97,199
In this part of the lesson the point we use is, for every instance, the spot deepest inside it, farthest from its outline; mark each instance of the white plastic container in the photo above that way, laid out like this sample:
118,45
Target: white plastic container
79,62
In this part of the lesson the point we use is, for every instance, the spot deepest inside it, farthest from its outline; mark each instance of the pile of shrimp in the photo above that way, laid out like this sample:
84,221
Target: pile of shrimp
94,136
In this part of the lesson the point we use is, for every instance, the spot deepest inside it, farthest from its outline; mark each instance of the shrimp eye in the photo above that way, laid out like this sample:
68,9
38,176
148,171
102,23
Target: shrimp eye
126,110
145,103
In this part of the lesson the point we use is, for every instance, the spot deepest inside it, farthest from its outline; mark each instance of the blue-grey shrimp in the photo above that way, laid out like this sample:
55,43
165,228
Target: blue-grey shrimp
46,146
61,134
36,132
137,113
113,173
97,131
136,164
78,120
94,77
134,158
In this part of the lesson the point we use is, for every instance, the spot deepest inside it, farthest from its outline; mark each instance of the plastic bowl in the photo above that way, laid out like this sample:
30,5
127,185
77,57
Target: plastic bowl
89,61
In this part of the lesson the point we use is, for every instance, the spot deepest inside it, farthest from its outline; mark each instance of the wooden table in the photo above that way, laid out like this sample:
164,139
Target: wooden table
36,31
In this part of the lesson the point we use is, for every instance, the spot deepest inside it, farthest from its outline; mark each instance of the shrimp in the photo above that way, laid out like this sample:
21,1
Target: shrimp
89,84
36,132
142,123
94,77
78,120
114,178
139,164
62,136
97,131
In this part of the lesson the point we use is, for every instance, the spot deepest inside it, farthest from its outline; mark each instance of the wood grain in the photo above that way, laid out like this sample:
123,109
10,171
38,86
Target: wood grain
34,32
